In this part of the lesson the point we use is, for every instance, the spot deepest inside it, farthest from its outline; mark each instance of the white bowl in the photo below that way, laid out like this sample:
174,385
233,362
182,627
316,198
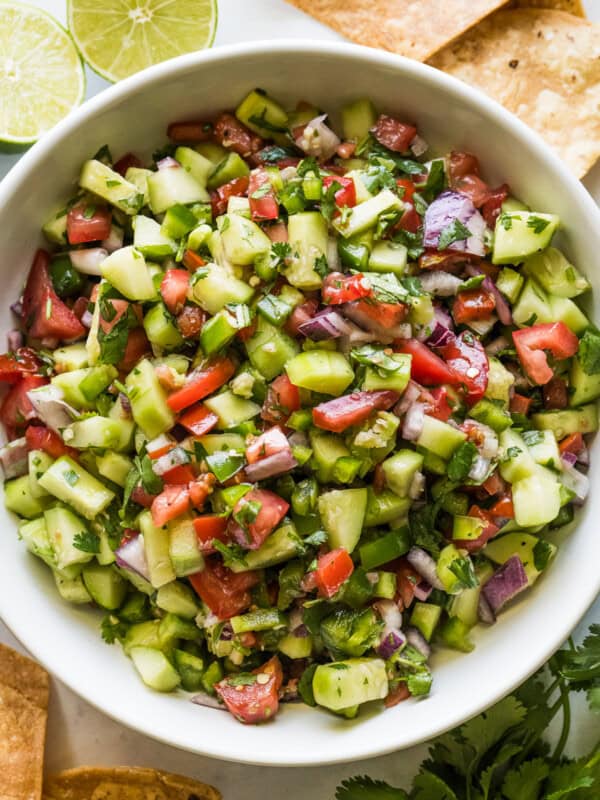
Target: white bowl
133,116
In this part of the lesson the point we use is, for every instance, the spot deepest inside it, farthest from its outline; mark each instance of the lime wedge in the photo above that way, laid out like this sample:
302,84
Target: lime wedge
41,74
120,37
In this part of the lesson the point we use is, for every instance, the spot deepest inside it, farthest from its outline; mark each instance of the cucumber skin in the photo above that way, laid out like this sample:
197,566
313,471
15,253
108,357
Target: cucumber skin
349,683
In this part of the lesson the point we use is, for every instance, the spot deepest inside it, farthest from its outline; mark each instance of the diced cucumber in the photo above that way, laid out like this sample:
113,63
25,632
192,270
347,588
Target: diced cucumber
263,115
166,187
173,628
19,499
143,634
439,437
212,442
367,214
536,499
450,581
516,461
177,598
105,555
562,309
232,166
510,283
269,348
384,549
55,229
533,304
70,357
465,605
114,466
543,448
320,371
342,513
262,619
520,544
357,119
400,470
155,669
34,534
72,589
64,529
243,240
103,181
190,668
79,386
396,381
585,387
148,400
386,585
425,617
128,272
500,381
465,527
38,462
211,150
160,329
283,544
231,409
72,484
491,414
198,237
307,235
296,646
195,163
106,587
327,450
149,239
575,420
239,205
519,234
454,633
384,507
156,544
555,273
138,176
387,256
184,550
99,432
213,287
344,684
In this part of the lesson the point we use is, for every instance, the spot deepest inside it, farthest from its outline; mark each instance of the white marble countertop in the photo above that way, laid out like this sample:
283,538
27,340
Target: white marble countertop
79,734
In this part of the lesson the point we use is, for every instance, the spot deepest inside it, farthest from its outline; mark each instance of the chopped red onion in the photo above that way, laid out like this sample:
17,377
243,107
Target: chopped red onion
411,394
384,335
423,590
413,422
176,457
168,163
417,485
389,613
333,255
391,641
416,639
583,457
125,403
318,140
502,307
114,241
132,555
295,619
270,466
88,260
505,584
17,307
206,700
87,318
327,324
575,481
483,326
439,283
418,146
479,469
14,340
448,207
484,611
569,459
13,458
49,406
425,565
440,335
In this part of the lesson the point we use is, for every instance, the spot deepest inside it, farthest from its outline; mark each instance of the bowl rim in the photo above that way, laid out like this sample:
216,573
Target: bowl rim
114,95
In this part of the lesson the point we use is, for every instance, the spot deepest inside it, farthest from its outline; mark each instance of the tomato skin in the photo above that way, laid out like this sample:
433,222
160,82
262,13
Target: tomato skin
397,695
231,134
201,488
265,205
530,344
473,304
426,368
14,366
198,420
16,409
462,164
93,228
238,187
137,346
467,359
490,530
224,592
339,288
252,703
282,399
474,188
519,404
143,498
272,510
389,315
333,569
446,260
44,313
209,527
407,579
393,134
572,444
190,130
174,288
39,437
179,476
299,315
409,189
128,160
346,194
201,383
493,205
351,409
190,321
172,502
503,507
191,260
269,443
441,408
410,220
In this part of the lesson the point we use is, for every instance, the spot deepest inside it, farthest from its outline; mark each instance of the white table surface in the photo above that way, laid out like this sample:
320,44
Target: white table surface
79,734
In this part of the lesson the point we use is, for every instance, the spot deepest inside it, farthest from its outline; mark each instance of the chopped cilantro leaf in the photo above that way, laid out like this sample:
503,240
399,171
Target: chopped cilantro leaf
87,541
455,231
589,352
537,224
461,462
463,569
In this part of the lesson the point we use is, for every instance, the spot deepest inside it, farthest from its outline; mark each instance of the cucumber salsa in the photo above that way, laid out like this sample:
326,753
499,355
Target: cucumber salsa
296,406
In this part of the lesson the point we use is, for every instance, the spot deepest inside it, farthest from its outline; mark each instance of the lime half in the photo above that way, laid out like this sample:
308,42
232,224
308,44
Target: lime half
120,37
41,74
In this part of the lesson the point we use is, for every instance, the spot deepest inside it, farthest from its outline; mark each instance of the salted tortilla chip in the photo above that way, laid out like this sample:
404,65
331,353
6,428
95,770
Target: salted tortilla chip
22,737
413,28
25,676
542,65
124,783
570,6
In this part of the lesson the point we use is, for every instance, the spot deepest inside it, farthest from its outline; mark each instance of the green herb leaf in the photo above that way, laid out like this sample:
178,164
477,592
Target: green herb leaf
461,462
589,352
463,569
321,267
372,356
365,788
537,224
307,165
112,629
436,180
471,283
454,232
87,541
542,553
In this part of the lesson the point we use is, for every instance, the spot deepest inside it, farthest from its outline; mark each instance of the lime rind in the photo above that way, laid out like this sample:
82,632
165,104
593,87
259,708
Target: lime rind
53,81
115,46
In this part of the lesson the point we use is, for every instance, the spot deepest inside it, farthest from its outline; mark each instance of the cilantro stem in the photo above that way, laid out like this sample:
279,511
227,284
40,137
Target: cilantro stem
566,721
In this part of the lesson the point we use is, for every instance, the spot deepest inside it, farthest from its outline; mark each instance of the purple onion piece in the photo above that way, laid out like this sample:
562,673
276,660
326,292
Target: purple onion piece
114,241
88,260
49,406
14,340
413,422
389,613
425,565
439,283
267,467
448,207
575,481
132,555
484,611
17,307
176,457
384,335
496,345
505,584
301,632
326,324
440,336
203,699
13,458
483,326
502,307
416,639
226,633
410,396
423,590
569,459
87,318
583,457
391,640
125,403
318,139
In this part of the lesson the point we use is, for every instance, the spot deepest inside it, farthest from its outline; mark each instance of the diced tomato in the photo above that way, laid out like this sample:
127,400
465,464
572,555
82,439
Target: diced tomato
180,476
137,346
393,134
462,164
503,508
209,527
190,321
44,313
271,509
143,498
333,569
172,502
16,409
490,529
302,313
346,149
441,408
277,232
13,366
282,399
199,420
494,484
41,438
190,130
201,489
346,194
425,367
407,579
203,381
555,394
493,205
257,701
128,160
192,260
263,202
174,288
269,443
118,309
409,221
397,695
468,361
474,188
408,187
446,260
231,134
80,306
248,331
388,315
160,446
530,344
224,592
351,409
473,304
519,404
339,288
88,223
238,187
572,444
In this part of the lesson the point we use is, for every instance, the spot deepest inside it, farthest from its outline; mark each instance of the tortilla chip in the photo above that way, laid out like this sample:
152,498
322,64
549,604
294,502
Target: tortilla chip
25,676
124,783
570,6
22,737
413,28
542,65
